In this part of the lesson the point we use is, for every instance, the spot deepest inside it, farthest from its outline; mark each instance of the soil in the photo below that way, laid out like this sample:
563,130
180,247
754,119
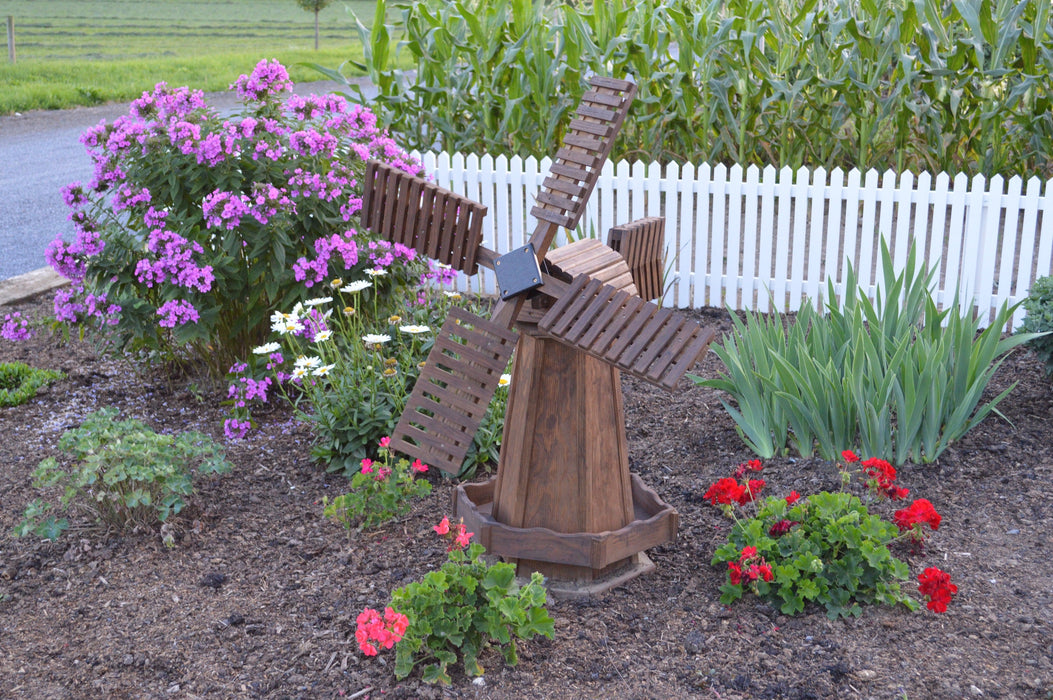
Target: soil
259,595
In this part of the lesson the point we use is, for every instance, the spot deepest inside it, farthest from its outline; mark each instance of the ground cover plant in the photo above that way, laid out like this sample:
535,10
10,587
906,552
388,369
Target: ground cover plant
19,382
123,474
921,85
73,53
259,593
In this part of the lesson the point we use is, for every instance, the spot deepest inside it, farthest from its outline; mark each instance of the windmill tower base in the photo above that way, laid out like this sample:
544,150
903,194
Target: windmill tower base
563,502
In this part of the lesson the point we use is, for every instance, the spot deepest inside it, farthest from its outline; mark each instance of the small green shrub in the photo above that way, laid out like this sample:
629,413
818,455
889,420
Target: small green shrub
379,491
897,376
19,382
1039,319
123,474
463,608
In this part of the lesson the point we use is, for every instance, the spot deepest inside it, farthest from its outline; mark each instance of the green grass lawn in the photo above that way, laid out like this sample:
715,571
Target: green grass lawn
71,53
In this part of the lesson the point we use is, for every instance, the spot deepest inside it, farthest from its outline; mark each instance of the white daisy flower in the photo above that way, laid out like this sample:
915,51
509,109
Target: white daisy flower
452,295
318,301
414,330
299,372
505,380
267,349
376,338
356,286
378,272
322,336
323,370
308,362
289,325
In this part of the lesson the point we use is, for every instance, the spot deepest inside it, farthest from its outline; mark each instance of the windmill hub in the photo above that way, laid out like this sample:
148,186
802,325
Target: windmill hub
517,271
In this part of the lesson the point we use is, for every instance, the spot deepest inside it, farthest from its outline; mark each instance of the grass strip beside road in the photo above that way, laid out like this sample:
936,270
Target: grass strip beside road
71,54
66,84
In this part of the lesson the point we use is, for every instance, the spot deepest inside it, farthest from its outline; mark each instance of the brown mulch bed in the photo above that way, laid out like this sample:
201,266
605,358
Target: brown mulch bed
258,597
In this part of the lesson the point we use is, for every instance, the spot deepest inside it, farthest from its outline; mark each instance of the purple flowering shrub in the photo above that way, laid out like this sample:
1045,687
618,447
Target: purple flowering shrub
196,226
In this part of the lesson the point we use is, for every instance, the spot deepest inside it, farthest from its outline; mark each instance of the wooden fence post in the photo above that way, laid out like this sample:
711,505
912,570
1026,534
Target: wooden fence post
11,38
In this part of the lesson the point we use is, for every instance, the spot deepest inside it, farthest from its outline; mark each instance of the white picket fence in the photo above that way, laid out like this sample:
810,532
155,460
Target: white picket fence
742,238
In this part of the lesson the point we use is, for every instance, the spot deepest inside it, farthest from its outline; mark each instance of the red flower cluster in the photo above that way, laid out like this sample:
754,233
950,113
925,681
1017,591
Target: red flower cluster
461,538
374,630
754,465
937,587
917,513
728,490
882,478
749,566
781,528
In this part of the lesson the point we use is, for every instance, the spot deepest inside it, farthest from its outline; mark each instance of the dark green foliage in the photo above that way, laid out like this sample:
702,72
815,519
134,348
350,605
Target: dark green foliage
19,382
1039,319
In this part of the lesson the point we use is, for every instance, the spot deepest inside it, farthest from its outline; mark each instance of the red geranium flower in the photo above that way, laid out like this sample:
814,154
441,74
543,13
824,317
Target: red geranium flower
751,493
725,491
781,528
849,456
735,572
793,498
937,587
920,511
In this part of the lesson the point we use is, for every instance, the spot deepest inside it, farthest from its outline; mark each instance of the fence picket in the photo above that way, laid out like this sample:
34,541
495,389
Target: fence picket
750,238
685,239
742,236
765,293
833,260
734,230
716,236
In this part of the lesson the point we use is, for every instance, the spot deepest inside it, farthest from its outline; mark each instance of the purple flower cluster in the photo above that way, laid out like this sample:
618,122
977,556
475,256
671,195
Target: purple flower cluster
311,272
75,305
177,312
15,327
174,263
383,254
268,79
240,391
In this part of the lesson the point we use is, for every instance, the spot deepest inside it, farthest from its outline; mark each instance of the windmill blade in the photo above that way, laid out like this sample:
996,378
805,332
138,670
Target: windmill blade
653,343
451,395
586,146
642,244
433,221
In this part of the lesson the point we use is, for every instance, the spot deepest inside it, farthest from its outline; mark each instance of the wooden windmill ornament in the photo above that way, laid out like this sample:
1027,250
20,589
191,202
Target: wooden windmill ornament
563,501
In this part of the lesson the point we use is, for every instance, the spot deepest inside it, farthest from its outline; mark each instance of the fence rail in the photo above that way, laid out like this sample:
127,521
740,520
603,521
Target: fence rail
746,238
